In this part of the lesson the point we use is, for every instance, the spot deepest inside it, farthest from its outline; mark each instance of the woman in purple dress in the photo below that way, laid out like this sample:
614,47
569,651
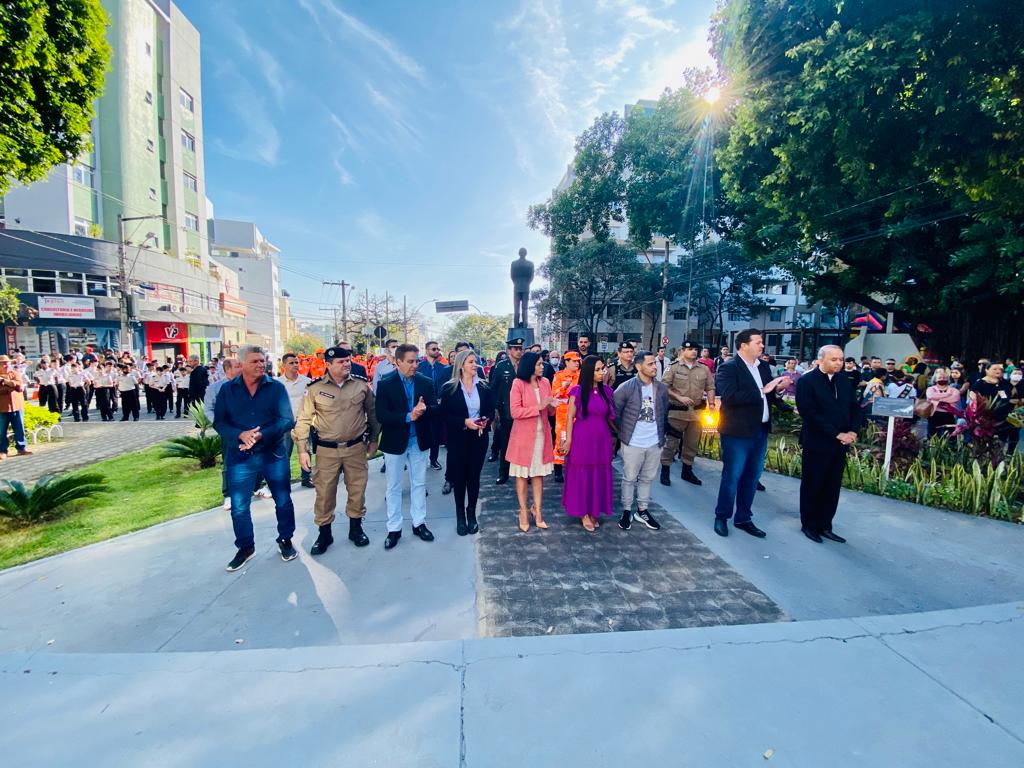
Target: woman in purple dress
587,493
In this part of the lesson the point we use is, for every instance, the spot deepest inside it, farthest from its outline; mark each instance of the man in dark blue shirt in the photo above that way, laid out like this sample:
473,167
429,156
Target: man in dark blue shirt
439,373
252,415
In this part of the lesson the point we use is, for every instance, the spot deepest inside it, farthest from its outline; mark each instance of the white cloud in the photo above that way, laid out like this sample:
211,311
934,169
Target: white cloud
666,69
260,140
372,225
343,174
267,65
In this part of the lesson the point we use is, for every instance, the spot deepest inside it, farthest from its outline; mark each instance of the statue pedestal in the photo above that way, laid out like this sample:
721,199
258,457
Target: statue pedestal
526,334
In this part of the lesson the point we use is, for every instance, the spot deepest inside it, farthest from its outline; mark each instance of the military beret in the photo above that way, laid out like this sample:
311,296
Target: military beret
337,352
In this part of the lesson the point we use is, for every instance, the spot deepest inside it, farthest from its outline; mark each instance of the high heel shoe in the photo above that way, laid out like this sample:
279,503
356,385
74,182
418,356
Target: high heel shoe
538,520
524,520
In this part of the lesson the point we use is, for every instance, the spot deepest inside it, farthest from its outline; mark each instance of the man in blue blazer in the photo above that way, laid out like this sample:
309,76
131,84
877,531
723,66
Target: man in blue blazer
405,404
746,386
831,416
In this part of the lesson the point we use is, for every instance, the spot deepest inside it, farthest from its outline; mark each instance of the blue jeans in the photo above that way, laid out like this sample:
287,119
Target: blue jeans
289,444
395,470
742,462
16,421
242,474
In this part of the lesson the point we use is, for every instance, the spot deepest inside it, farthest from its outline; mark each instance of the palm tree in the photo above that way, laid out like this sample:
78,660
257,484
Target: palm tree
45,499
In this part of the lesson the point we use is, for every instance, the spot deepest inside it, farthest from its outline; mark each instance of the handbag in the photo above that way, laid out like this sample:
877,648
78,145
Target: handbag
923,408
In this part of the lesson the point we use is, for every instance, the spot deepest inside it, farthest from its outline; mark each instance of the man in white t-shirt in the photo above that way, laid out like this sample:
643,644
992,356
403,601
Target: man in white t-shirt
641,410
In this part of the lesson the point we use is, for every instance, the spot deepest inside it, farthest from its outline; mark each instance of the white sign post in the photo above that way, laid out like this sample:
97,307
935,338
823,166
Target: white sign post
894,408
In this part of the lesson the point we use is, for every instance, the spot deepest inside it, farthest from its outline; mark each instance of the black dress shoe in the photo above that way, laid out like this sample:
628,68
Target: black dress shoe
665,479
306,483
688,475
471,524
355,532
323,541
460,523
721,526
749,527
392,540
436,465
423,532
833,537
811,535
446,489
492,457
501,481
760,487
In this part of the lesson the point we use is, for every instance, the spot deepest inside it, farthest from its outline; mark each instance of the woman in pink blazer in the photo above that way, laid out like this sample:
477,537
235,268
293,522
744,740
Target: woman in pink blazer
530,453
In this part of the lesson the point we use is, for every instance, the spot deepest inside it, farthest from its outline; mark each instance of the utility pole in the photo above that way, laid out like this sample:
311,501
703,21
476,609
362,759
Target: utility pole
689,296
122,284
343,336
405,322
664,294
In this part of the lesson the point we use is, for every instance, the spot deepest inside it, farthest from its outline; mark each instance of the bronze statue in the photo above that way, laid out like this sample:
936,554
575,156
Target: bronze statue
522,276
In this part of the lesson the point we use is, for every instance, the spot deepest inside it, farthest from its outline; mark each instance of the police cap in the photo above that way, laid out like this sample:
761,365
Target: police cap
690,345
335,353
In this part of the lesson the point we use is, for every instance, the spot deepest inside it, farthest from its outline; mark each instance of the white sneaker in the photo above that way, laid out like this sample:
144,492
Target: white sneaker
263,493
227,503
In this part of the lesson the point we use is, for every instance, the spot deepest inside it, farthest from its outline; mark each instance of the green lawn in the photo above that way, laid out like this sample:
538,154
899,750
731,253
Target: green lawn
143,490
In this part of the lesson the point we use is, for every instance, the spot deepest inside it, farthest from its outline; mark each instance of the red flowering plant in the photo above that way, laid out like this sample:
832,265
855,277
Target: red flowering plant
905,444
979,425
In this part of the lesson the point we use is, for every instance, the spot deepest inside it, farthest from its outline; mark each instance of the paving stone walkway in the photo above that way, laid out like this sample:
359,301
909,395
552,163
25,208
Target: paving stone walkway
565,580
87,442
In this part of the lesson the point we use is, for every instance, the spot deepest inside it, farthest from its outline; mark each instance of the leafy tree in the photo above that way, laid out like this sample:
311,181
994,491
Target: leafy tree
587,279
53,56
877,155
303,343
487,333
10,304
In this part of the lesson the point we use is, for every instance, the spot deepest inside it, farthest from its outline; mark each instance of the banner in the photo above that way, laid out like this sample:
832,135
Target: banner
67,307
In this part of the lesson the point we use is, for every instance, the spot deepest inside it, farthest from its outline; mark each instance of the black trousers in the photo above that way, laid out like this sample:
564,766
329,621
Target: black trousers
150,398
105,402
60,398
182,400
76,399
466,452
48,398
160,397
821,478
130,404
436,425
501,436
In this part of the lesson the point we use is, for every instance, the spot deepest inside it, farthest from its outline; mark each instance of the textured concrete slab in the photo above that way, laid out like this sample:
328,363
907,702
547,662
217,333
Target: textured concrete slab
901,558
165,588
565,580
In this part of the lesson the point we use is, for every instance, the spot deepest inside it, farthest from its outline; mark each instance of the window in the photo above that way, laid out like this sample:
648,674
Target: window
191,221
96,285
775,315
805,319
678,314
779,289
149,97
43,281
633,313
71,282
191,182
82,227
150,145
83,174
737,316
186,100
17,278
188,141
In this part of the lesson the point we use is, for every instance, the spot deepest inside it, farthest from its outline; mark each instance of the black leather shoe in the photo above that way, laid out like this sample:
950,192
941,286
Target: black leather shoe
761,487
688,475
423,532
811,535
446,489
392,540
665,479
355,532
471,524
501,481
460,524
307,483
749,527
323,541
833,537
492,457
721,526
435,464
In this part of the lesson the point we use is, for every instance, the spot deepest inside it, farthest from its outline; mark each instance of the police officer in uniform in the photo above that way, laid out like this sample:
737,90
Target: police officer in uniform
500,382
688,383
338,413
623,370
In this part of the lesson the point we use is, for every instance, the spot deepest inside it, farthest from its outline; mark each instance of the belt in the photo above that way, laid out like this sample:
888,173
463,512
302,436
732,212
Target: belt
343,444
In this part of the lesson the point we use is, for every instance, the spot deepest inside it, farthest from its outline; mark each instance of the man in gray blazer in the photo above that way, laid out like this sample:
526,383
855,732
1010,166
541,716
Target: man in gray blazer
641,410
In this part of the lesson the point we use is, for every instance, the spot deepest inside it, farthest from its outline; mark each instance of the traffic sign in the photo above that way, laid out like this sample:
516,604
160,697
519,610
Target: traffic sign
664,341
451,306
380,332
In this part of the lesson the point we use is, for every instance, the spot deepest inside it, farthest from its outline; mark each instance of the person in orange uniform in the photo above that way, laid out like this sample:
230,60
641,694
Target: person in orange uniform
318,366
564,380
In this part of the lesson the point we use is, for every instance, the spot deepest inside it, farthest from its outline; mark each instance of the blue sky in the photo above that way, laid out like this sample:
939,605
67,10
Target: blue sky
397,145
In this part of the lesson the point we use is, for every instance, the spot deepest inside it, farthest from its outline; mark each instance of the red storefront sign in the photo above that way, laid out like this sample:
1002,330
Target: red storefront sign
166,333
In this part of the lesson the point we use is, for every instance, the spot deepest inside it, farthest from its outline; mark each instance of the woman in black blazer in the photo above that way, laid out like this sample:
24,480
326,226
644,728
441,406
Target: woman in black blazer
466,402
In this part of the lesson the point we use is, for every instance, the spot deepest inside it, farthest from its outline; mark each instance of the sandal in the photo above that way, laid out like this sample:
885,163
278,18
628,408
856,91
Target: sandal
588,524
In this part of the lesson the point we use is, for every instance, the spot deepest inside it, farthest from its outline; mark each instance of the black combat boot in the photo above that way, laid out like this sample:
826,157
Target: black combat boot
460,522
355,532
665,480
688,475
471,524
323,541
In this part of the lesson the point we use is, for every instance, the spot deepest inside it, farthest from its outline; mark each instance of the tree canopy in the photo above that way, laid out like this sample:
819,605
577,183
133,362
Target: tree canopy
486,333
53,56
876,151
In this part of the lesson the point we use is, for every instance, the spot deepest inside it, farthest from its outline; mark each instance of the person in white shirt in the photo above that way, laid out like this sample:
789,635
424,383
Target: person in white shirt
387,365
296,385
77,383
662,364
63,371
181,377
46,379
900,386
163,391
128,389
104,385
641,415
91,371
